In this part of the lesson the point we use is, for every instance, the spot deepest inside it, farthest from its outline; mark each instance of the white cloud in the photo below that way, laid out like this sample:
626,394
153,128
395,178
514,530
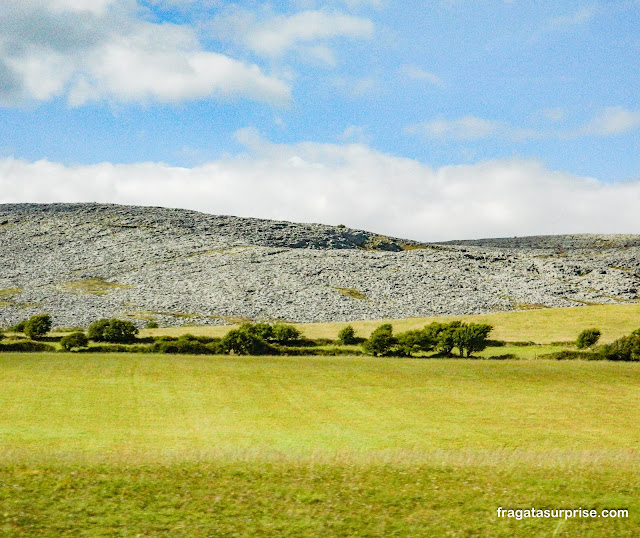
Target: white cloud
275,36
466,128
350,184
415,72
85,51
581,16
611,121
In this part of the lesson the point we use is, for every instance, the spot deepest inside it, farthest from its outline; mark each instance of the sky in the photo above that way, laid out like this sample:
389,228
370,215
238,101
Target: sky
441,120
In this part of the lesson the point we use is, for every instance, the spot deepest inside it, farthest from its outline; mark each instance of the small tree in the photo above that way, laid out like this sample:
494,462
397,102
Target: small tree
381,341
471,337
243,342
443,333
415,341
72,340
112,330
588,338
37,326
95,331
285,334
347,336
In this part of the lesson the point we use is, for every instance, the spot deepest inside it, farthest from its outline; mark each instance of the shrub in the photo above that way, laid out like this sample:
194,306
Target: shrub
77,339
626,348
187,344
285,334
27,346
1,334
112,330
37,326
18,327
415,341
347,336
381,341
242,341
588,338
568,355
151,325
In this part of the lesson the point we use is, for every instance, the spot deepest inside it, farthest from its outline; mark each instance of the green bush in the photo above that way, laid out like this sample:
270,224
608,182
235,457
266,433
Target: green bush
626,348
242,341
18,327
187,344
37,326
77,340
414,341
285,334
588,338
151,325
568,355
26,346
381,342
115,331
471,337
347,336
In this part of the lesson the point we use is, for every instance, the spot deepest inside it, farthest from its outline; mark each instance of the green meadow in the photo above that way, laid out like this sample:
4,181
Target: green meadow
153,445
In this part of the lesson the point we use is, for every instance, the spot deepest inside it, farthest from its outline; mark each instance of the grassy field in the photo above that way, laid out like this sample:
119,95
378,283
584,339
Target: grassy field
150,445
542,326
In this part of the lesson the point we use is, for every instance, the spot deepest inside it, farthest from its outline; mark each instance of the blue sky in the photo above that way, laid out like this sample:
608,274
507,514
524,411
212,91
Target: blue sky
438,120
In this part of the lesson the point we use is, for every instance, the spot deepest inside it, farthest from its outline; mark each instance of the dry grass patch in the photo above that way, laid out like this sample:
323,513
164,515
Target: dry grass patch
92,286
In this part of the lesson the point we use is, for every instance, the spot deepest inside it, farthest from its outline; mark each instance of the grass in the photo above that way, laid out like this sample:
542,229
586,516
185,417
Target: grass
350,292
91,286
125,445
542,326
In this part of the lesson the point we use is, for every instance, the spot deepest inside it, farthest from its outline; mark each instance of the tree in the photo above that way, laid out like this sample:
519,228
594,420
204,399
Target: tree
112,330
347,336
415,341
37,326
443,334
285,334
588,338
243,342
76,339
95,331
381,341
471,337
18,327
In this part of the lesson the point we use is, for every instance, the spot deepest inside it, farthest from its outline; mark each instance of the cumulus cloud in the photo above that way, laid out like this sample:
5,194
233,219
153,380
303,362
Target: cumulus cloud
303,32
101,49
351,184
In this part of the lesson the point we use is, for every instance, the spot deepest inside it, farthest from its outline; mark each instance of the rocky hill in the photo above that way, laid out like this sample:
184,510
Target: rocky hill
81,262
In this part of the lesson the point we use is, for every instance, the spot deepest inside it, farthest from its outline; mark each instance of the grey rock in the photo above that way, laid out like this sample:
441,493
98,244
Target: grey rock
81,262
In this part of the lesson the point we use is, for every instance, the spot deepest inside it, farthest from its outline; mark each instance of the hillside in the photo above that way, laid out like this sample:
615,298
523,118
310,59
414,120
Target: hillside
81,262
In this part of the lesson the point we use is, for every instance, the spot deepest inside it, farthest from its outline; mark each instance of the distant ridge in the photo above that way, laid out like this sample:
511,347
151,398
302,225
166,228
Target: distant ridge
81,262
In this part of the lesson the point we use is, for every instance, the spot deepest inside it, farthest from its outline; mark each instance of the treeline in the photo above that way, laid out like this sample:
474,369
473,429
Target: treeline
451,339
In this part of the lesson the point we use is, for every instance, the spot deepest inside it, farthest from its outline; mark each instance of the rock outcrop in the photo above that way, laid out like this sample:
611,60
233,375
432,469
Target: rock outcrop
81,262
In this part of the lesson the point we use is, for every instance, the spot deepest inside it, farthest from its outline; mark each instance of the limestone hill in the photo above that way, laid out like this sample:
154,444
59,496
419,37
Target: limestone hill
81,262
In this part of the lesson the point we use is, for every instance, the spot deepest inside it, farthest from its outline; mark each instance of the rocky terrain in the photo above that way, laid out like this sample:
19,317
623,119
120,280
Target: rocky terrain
81,262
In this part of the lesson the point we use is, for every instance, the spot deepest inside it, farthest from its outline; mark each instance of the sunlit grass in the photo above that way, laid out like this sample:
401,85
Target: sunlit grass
542,326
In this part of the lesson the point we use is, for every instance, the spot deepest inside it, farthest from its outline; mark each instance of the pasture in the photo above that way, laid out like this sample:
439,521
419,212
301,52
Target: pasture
543,326
134,444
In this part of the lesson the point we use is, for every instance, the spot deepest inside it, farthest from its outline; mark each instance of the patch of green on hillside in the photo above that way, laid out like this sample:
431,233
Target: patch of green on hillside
91,286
